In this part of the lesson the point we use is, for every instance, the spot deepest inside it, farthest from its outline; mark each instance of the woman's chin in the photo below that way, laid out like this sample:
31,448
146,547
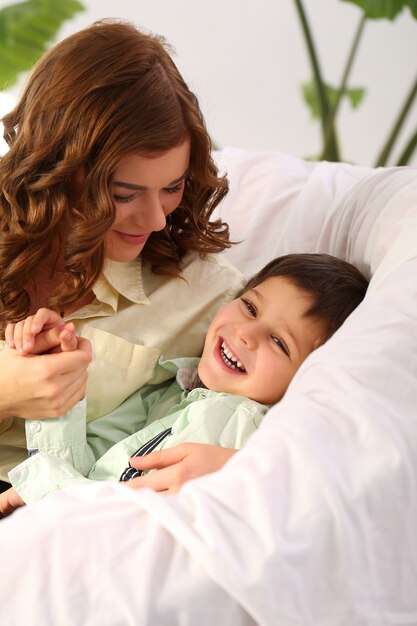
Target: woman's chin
124,254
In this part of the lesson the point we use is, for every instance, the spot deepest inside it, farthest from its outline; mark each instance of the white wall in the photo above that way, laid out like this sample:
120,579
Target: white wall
246,61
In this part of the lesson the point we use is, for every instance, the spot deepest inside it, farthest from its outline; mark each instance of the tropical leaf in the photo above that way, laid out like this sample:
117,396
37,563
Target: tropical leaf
26,30
309,91
389,9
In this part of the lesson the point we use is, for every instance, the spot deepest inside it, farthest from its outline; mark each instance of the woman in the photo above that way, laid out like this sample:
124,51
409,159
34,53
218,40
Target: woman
106,194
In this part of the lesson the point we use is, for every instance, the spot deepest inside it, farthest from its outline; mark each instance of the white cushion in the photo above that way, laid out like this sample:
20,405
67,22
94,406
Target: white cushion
277,203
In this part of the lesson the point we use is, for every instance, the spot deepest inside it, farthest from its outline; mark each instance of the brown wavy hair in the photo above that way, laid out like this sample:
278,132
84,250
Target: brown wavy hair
104,92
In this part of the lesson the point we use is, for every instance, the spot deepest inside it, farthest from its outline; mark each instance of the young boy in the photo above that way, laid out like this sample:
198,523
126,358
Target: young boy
253,348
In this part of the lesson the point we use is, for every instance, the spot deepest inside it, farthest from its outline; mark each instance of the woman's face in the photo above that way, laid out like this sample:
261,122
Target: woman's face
145,190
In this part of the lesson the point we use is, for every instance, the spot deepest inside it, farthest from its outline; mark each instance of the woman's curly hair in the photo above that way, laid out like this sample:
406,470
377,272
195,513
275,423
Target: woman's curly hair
102,93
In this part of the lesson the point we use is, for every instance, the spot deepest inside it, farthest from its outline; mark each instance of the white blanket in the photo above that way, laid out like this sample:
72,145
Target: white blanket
313,522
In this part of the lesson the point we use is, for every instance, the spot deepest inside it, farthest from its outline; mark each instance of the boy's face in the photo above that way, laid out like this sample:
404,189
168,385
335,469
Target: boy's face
256,343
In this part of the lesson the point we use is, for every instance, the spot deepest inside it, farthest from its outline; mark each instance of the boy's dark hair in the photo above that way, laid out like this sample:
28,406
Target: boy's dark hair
337,286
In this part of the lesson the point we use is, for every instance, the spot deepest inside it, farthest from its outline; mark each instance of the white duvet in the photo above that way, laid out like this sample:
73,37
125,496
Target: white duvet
314,522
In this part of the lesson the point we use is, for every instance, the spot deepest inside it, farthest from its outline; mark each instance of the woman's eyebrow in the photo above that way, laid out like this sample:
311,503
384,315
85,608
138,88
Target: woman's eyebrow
125,185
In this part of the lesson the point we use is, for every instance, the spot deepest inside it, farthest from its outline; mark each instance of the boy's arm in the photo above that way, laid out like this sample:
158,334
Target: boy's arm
64,437
62,453
43,474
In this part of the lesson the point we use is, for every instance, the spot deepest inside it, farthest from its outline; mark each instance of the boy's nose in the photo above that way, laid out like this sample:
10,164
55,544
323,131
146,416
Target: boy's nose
248,334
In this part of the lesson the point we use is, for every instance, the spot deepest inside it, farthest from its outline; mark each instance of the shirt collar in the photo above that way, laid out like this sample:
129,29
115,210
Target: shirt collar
121,279
188,378
185,370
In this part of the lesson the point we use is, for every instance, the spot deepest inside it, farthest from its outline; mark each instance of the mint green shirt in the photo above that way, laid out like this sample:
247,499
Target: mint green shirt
193,412
130,324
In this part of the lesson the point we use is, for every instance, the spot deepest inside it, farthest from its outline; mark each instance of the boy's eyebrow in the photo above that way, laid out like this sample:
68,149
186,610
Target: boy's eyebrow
125,185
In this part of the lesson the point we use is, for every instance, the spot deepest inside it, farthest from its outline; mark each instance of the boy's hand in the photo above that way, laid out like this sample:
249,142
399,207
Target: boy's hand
177,465
9,502
40,333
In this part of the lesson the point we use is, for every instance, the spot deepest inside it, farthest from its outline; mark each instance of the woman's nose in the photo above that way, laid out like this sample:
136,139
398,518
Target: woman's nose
153,216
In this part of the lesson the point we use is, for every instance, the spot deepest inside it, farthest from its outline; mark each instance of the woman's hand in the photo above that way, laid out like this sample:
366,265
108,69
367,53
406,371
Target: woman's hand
177,465
9,502
42,386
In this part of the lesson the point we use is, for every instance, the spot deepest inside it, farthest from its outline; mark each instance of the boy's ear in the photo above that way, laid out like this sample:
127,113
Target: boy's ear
319,342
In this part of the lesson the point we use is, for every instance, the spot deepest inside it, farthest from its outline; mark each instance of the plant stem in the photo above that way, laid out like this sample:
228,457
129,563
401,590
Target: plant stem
408,150
323,102
342,89
392,137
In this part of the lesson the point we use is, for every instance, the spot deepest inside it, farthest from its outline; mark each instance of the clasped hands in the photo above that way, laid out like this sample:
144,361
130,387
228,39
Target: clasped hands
53,378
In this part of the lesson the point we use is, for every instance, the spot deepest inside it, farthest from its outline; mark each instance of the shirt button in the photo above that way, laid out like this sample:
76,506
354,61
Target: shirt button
35,427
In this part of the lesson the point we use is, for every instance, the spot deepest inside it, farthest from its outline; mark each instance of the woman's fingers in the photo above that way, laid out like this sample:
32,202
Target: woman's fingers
160,458
9,502
162,480
72,391
9,335
43,386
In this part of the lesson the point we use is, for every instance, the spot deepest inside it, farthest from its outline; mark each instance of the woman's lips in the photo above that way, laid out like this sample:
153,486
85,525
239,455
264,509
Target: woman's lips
133,240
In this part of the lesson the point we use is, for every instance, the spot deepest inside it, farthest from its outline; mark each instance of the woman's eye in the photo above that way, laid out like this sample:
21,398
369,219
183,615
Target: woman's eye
281,345
128,198
252,310
175,189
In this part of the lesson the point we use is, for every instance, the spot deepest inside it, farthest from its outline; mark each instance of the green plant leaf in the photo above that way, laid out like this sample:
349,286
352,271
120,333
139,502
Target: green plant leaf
309,91
26,30
389,9
355,96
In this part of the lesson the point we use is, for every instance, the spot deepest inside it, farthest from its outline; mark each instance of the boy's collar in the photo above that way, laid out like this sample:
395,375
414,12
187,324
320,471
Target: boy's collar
188,378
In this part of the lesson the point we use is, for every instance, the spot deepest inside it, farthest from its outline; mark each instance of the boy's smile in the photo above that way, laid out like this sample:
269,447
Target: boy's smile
256,343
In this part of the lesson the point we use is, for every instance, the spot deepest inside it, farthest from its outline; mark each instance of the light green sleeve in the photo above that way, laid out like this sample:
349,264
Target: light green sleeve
64,450
81,444
63,437
41,475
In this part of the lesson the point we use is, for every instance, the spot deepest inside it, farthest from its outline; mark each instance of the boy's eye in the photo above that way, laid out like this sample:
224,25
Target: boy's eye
282,346
250,307
128,198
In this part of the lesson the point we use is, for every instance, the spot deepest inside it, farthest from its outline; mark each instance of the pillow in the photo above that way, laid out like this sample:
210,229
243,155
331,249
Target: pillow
268,188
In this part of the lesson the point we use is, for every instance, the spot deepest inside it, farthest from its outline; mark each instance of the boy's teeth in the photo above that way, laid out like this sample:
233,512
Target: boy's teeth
230,359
